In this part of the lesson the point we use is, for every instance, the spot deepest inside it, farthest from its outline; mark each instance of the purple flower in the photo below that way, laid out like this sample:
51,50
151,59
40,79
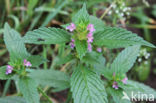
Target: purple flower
90,38
27,63
89,47
99,50
115,85
72,45
71,27
125,80
91,28
9,69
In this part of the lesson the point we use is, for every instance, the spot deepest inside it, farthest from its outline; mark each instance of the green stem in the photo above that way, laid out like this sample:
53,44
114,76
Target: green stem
106,11
45,56
6,87
44,94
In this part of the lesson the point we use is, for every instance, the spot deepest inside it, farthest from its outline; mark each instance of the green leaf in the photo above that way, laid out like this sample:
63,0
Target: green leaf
52,14
100,65
3,76
87,87
91,58
36,60
12,99
51,78
114,37
31,5
48,35
28,88
117,95
141,88
81,48
81,16
98,24
64,59
125,60
14,44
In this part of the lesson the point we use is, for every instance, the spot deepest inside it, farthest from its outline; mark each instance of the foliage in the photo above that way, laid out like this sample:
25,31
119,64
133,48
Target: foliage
81,43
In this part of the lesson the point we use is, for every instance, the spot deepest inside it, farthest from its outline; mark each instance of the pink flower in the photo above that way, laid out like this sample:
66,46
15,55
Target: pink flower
72,45
115,85
91,28
89,47
71,27
27,63
9,69
125,80
99,50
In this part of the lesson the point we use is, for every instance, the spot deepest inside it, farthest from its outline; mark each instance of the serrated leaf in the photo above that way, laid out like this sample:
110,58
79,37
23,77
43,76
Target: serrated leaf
100,65
114,37
98,24
51,78
48,35
3,76
81,16
125,60
36,60
14,43
28,88
81,48
91,58
63,60
87,87
137,88
117,95
12,99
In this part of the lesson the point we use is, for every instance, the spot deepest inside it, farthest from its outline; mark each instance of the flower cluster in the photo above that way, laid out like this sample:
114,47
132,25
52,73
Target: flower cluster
71,27
72,45
89,36
9,68
143,55
115,83
121,10
27,63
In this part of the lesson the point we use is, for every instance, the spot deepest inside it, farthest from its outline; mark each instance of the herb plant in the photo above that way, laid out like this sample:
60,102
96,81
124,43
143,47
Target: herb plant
90,78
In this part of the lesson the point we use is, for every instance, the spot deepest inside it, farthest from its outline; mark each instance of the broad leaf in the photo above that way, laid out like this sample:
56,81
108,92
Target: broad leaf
117,95
98,24
100,65
12,99
125,60
81,16
87,87
51,78
28,88
91,58
14,44
3,76
48,35
113,37
36,60
81,48
139,88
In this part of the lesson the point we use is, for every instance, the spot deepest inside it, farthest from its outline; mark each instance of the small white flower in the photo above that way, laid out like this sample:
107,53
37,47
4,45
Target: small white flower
139,60
122,14
125,9
117,11
128,8
114,6
128,13
110,12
